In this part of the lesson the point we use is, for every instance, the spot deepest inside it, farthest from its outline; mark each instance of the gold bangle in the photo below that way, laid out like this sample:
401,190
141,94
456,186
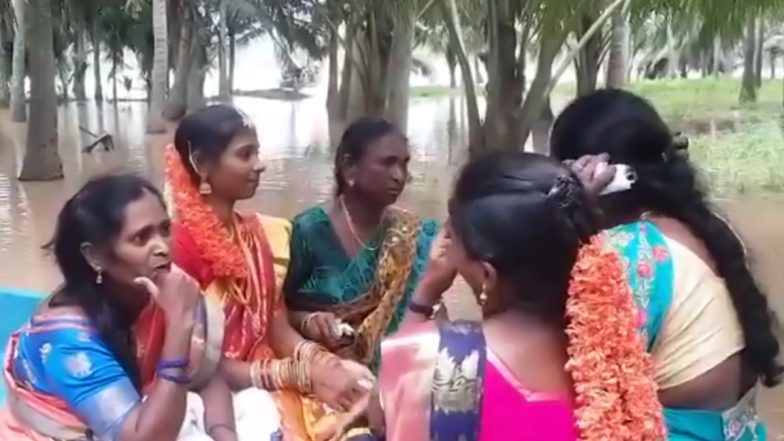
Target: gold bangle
306,321
255,375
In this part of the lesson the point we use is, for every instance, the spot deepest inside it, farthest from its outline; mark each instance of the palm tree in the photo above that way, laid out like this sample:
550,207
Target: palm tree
6,31
42,160
160,67
619,51
18,72
223,39
748,90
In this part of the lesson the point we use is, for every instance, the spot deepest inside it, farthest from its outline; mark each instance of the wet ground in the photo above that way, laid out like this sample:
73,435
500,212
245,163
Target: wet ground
294,138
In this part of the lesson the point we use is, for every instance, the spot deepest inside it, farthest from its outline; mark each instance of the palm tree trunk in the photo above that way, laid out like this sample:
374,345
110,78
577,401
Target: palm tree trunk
42,160
5,92
455,33
673,57
223,38
79,60
758,53
772,64
717,55
748,90
160,67
178,95
18,74
232,60
619,51
196,77
399,73
97,78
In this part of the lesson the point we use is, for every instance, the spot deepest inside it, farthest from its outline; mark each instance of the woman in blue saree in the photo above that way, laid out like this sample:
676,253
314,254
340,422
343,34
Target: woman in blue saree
114,352
356,260
706,320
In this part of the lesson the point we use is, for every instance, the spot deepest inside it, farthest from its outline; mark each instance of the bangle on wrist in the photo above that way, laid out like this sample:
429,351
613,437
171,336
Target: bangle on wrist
180,379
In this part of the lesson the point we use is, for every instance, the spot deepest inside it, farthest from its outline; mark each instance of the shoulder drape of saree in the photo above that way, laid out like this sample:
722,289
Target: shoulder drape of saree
31,416
38,415
407,365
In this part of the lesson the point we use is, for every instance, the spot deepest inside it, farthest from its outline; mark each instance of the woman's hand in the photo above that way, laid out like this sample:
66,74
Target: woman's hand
175,292
441,271
586,170
341,384
322,327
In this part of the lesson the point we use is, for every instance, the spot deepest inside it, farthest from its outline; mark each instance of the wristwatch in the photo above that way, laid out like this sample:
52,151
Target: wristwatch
419,308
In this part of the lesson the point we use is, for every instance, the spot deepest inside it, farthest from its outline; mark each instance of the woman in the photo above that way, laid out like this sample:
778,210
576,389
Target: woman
125,324
556,356
357,259
707,322
240,261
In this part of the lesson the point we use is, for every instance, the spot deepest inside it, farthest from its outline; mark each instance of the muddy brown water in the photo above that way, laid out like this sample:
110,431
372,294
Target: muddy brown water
299,173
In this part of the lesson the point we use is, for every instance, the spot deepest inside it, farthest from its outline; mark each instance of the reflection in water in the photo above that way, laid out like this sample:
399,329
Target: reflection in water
294,138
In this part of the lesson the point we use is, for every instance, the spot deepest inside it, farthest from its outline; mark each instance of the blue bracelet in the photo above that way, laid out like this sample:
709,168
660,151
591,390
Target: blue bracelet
175,363
176,379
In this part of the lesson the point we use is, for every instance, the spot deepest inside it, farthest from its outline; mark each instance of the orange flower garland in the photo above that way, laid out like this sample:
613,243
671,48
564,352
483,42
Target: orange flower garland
613,375
212,237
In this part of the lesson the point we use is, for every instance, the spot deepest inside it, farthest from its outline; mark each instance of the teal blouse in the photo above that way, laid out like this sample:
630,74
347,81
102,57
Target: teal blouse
321,274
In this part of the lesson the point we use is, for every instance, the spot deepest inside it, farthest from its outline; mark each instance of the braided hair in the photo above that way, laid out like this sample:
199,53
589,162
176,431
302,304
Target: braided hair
629,129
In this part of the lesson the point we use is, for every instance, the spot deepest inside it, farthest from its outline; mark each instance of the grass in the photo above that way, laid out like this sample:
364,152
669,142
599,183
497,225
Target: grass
739,149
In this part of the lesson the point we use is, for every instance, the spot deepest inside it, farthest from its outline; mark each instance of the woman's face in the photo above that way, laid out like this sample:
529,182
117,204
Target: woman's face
143,246
235,175
382,172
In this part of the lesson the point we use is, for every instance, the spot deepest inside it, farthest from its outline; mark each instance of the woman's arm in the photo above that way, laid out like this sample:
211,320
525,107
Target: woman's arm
218,410
160,416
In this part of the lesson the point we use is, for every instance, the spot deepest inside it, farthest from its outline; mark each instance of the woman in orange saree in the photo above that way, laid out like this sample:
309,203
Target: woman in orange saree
110,335
240,260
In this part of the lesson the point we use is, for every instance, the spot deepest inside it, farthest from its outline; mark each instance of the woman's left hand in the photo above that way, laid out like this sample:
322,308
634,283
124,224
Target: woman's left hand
322,327
341,384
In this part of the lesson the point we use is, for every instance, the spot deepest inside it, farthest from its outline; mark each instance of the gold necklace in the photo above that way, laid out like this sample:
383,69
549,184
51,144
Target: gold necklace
351,228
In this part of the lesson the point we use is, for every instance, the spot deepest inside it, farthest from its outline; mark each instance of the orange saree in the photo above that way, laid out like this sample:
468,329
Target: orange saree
250,303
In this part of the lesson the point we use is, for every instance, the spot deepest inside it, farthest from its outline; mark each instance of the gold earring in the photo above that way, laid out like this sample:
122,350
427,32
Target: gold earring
98,276
205,188
483,296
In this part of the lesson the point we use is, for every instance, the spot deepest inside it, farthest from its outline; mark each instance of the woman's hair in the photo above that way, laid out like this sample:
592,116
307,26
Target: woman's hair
630,130
530,218
95,215
207,133
355,142
527,216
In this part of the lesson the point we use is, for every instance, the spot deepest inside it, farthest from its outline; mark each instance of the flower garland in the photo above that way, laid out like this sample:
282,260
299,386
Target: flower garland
613,375
211,236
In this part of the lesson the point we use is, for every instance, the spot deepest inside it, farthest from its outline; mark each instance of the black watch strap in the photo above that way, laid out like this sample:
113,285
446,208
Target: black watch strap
419,308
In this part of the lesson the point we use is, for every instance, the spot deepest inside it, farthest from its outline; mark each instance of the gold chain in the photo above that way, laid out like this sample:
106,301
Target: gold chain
351,228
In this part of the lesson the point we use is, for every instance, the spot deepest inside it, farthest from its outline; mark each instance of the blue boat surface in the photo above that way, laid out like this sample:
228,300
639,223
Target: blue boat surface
16,306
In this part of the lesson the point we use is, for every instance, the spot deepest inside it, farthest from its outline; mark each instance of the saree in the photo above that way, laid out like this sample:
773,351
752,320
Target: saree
64,382
439,381
672,288
250,302
369,292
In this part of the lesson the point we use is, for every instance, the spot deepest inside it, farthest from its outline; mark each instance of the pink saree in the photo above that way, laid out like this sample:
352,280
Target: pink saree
439,381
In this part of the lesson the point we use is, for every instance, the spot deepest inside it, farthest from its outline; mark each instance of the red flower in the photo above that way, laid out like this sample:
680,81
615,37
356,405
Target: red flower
645,269
660,254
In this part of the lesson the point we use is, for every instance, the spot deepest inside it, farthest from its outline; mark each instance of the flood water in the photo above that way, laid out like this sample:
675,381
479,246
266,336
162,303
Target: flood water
295,147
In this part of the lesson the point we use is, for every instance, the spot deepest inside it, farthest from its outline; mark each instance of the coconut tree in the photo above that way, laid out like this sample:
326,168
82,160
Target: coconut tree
223,41
6,35
748,90
42,160
160,67
176,105
18,63
618,59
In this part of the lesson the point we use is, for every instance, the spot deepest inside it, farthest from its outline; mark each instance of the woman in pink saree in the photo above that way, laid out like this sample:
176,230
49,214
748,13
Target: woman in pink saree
556,357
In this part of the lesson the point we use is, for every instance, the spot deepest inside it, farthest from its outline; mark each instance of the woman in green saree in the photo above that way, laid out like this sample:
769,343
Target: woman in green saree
356,259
